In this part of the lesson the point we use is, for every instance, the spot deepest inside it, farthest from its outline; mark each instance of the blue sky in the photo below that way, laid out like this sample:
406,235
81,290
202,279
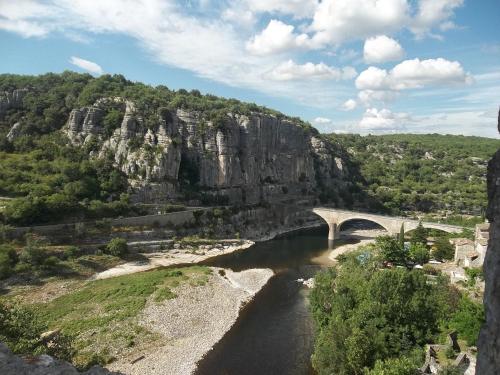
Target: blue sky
364,66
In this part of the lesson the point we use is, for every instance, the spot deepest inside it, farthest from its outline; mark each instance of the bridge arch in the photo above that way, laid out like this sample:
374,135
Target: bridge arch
361,218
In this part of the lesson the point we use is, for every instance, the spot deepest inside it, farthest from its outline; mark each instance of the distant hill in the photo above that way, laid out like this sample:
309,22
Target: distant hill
423,172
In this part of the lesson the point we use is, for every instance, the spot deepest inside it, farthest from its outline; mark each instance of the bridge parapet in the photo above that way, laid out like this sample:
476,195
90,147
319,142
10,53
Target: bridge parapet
335,218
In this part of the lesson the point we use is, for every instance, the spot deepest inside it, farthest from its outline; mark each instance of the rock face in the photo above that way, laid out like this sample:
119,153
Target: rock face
12,99
11,364
488,361
245,159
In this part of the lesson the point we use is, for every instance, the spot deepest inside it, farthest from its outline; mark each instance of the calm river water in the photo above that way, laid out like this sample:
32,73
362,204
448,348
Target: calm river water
274,333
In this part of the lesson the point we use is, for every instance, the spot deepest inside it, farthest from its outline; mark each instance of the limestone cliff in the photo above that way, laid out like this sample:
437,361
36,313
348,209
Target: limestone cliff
489,339
243,158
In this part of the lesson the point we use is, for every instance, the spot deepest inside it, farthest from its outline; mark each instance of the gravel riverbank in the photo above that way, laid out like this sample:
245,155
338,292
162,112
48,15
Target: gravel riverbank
190,324
171,258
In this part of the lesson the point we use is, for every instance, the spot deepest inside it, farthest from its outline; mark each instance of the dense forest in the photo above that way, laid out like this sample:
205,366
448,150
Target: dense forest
426,173
376,319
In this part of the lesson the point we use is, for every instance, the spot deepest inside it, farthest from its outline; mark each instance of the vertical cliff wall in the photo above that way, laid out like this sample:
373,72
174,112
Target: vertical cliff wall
488,362
244,159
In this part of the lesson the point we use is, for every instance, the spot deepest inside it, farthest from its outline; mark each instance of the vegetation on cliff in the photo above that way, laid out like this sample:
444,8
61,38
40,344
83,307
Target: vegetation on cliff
428,172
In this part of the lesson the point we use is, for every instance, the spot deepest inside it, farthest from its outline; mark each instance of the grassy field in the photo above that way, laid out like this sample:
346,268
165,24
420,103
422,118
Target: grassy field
102,316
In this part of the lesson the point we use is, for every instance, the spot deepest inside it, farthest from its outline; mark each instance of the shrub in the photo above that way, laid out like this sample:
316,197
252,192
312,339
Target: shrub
33,253
71,252
117,247
419,253
5,266
443,249
20,330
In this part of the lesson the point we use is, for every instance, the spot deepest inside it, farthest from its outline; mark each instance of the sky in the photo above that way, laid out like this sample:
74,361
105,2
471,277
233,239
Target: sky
357,66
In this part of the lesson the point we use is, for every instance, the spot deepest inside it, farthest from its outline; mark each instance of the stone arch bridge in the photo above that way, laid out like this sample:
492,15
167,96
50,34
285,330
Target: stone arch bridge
392,224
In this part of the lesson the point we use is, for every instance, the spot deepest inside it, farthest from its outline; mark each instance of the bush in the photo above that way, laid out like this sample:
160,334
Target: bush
468,319
71,252
8,259
20,330
419,253
117,247
443,249
33,253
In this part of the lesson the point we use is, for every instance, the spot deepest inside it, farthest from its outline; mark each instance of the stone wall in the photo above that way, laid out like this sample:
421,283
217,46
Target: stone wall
489,338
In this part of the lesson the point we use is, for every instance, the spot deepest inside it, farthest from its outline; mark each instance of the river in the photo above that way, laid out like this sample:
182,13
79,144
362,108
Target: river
274,332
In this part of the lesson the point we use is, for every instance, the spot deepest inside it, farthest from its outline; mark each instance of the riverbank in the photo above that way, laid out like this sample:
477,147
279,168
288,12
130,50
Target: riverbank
173,257
192,322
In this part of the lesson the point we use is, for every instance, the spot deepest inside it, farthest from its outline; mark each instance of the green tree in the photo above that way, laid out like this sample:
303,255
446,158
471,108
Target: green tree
394,366
419,253
117,247
391,249
468,319
401,236
443,249
419,235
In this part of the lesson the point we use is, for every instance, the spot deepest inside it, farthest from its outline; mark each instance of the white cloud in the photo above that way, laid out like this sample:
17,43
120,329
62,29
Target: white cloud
296,8
276,37
336,21
415,73
322,120
383,120
349,105
381,49
433,13
289,70
87,65
368,97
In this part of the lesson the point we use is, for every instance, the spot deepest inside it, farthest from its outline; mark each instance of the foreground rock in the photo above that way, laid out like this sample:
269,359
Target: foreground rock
191,323
488,360
11,364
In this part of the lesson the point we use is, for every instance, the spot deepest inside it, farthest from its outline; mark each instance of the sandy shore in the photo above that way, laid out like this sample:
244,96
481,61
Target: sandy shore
194,321
365,237
170,258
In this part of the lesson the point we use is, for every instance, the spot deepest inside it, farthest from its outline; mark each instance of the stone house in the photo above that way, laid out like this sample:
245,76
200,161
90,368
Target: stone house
463,247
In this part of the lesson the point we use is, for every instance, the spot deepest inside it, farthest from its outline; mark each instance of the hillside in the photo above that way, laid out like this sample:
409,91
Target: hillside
74,146
431,172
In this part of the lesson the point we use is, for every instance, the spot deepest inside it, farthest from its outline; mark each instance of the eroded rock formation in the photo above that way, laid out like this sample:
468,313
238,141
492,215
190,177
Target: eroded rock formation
489,339
246,159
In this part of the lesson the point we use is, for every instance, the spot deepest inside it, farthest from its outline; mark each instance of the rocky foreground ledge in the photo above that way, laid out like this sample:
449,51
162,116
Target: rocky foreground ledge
11,364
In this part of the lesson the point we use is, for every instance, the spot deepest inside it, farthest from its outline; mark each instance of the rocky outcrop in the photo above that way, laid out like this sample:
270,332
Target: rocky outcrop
489,339
11,364
246,158
14,132
11,99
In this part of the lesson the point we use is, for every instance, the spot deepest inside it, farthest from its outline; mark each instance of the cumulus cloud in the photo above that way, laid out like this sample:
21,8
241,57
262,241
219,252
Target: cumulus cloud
383,120
336,21
276,37
381,49
87,65
433,13
415,73
349,105
290,70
